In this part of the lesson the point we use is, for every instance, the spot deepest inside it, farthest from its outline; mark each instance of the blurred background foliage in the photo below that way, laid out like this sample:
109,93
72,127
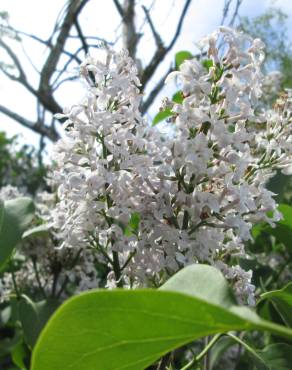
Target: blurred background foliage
21,165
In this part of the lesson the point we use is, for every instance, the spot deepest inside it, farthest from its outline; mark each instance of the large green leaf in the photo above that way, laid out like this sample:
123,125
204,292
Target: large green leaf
203,282
33,316
130,329
17,215
282,301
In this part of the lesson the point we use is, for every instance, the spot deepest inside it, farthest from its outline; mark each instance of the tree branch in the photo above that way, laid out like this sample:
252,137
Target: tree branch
81,36
154,92
161,51
46,42
235,13
225,10
156,35
37,127
179,25
119,8
45,90
16,62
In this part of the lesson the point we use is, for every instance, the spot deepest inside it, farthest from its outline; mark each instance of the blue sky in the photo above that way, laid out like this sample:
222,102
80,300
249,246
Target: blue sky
38,17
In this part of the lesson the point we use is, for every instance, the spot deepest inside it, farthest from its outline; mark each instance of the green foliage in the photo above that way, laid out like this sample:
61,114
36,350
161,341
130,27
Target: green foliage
281,185
17,215
20,165
136,327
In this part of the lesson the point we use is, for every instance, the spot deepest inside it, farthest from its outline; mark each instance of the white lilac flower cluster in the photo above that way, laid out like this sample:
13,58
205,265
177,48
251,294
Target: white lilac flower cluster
40,266
149,205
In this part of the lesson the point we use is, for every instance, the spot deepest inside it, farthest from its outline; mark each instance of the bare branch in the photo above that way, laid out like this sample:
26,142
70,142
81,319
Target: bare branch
161,51
37,127
22,33
74,8
21,78
235,13
97,38
70,78
119,8
16,62
155,91
49,44
156,35
81,36
68,62
179,25
225,10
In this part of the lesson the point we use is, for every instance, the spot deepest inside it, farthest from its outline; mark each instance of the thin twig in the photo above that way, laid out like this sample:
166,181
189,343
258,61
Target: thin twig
161,52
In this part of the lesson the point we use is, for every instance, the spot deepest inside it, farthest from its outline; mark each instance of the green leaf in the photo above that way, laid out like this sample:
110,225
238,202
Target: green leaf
203,282
286,211
207,63
17,215
178,97
181,56
161,116
41,230
33,316
18,355
282,301
131,329
133,224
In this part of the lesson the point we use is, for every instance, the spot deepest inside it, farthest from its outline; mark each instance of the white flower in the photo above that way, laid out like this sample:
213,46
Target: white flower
195,194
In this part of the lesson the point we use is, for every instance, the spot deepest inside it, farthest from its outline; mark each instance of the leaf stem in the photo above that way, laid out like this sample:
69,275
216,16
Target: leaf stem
203,353
246,346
